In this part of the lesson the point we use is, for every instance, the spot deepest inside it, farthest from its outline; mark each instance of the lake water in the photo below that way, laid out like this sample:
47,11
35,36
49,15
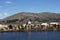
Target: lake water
30,35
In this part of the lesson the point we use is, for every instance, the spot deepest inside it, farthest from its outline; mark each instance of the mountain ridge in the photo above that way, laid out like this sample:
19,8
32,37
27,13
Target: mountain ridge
39,17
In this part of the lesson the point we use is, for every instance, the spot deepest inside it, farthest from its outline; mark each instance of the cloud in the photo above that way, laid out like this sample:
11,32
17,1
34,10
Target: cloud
8,2
3,15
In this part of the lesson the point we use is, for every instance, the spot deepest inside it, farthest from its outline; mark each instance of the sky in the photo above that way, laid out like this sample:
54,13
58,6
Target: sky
11,7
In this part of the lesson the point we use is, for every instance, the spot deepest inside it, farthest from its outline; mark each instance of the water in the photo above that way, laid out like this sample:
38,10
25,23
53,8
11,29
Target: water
30,35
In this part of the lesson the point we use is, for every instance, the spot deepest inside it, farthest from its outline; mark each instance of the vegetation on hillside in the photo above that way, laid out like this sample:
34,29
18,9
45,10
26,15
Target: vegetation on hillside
39,17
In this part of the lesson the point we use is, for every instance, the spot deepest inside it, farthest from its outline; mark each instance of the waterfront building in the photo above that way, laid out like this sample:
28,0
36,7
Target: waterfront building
29,22
44,26
3,26
24,25
55,25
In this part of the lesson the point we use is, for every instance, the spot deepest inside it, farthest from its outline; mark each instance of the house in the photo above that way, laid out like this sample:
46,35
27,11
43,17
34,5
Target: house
24,25
3,27
55,25
44,26
29,22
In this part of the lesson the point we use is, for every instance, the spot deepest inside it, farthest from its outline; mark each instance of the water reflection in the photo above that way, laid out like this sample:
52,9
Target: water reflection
30,36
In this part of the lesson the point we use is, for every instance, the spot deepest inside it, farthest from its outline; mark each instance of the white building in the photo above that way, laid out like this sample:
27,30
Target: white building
52,23
45,24
29,22
3,26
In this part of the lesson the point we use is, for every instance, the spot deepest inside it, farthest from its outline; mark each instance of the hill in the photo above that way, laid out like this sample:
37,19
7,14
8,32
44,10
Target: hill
34,17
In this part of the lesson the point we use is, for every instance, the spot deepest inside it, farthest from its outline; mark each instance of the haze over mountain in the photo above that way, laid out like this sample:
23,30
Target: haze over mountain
39,17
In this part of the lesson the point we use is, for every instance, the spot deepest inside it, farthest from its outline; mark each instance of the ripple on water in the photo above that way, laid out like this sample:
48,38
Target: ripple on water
30,36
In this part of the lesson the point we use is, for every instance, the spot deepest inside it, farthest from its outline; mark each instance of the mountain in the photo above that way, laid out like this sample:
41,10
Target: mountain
34,17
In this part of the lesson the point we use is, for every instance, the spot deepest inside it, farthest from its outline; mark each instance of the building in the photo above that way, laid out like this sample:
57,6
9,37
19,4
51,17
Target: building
44,26
29,22
3,27
55,25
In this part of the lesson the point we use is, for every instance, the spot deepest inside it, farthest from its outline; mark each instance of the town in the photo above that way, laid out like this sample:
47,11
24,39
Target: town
29,27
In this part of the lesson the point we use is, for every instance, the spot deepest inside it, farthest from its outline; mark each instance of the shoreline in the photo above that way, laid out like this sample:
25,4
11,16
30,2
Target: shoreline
30,31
